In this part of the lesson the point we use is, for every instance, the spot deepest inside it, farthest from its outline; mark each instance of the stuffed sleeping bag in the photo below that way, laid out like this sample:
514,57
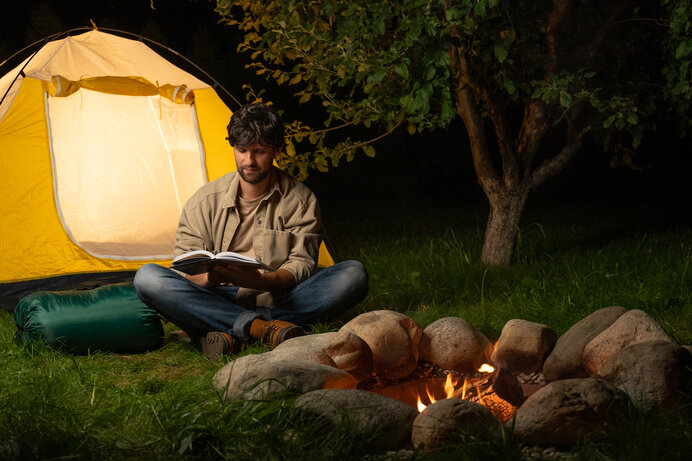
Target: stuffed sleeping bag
109,319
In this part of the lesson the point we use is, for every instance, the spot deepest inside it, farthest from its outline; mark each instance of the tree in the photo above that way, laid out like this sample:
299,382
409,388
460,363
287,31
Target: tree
528,79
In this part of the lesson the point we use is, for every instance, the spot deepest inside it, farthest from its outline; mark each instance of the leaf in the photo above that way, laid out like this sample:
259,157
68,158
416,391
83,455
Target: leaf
683,49
296,79
378,76
369,150
290,149
565,99
501,51
401,70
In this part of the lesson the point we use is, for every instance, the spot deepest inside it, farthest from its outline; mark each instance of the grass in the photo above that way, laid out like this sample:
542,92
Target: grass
160,405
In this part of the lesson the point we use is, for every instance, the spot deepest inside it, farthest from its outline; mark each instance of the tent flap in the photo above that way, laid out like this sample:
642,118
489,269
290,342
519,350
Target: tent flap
59,86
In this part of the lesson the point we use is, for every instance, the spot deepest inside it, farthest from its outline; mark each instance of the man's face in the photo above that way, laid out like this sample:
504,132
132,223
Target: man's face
254,162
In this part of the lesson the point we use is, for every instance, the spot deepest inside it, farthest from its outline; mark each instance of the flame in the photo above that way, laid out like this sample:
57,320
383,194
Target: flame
485,368
421,405
449,388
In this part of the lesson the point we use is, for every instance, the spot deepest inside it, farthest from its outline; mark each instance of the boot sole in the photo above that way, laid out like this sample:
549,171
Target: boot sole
214,345
288,333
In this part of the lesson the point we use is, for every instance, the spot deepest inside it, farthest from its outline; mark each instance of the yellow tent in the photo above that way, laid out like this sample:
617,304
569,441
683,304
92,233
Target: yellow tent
102,141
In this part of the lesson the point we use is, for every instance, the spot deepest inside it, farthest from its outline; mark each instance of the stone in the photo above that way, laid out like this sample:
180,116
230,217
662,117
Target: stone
364,412
453,343
302,355
651,373
563,411
445,419
258,376
348,351
632,327
523,346
565,361
507,387
393,339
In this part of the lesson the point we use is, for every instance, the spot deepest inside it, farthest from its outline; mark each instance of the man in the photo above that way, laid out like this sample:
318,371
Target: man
262,212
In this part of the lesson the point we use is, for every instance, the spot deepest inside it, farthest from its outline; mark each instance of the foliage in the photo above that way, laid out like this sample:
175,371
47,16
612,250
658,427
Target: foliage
387,64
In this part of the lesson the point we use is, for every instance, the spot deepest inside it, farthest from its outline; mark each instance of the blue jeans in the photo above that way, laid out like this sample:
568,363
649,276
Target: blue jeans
198,310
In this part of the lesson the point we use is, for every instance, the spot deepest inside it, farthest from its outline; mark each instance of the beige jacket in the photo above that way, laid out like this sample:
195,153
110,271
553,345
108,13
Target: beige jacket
288,228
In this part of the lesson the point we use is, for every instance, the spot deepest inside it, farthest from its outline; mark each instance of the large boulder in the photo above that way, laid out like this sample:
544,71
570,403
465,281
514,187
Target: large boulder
632,327
565,361
444,420
563,411
393,339
651,373
366,413
523,346
348,351
453,343
257,376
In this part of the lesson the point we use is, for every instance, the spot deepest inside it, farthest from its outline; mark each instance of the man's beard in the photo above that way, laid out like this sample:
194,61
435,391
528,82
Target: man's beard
255,178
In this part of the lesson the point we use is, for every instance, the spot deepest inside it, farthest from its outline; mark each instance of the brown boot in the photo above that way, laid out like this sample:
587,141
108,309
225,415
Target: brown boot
215,344
274,332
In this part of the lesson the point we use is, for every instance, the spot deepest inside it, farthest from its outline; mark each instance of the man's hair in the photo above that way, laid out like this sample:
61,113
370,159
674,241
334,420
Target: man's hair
256,122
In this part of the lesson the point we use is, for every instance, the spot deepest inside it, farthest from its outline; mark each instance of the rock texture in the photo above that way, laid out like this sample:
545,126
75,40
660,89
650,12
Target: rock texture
453,343
565,361
651,373
633,327
254,377
444,420
393,339
365,412
523,346
563,411
348,351
507,386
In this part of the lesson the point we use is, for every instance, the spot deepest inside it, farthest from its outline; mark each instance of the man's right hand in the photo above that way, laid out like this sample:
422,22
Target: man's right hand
209,279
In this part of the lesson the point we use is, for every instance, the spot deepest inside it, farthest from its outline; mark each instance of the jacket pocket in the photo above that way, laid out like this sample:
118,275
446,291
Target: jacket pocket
277,246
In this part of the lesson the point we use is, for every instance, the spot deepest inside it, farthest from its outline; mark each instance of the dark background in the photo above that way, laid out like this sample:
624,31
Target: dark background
409,171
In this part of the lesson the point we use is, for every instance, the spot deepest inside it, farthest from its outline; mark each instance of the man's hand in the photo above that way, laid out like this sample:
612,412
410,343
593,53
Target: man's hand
247,277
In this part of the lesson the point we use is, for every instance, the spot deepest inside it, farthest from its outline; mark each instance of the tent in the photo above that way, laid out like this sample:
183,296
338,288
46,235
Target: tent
102,141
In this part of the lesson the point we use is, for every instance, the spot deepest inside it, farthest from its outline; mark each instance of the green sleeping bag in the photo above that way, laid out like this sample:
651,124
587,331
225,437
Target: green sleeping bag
109,319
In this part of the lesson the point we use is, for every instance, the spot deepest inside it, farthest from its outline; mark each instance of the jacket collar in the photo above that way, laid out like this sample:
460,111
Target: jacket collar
231,195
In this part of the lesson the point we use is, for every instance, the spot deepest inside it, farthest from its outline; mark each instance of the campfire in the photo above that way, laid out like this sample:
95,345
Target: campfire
428,385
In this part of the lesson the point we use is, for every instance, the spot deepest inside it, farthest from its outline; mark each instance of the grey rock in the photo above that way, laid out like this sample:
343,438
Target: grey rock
651,373
523,346
302,355
565,361
253,377
453,343
393,339
348,351
507,387
445,419
632,327
364,412
563,411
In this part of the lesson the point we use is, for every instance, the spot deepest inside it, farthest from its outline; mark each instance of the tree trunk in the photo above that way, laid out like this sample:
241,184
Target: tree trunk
501,231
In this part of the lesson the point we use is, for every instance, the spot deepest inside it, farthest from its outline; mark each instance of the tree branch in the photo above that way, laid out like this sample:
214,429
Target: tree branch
467,108
553,166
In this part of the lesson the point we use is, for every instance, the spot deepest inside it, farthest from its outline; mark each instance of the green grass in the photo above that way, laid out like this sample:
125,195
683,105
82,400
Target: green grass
160,405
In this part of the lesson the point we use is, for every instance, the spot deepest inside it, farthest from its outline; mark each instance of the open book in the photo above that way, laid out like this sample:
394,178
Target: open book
200,261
